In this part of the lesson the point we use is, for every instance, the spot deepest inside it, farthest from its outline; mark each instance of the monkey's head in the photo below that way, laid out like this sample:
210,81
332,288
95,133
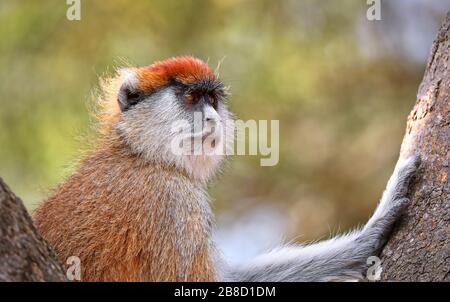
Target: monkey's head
171,112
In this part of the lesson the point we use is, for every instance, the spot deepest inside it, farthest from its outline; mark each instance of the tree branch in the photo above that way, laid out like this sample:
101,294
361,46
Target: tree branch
24,255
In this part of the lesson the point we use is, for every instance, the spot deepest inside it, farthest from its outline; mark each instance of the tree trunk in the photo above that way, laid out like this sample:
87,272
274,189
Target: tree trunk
419,249
24,255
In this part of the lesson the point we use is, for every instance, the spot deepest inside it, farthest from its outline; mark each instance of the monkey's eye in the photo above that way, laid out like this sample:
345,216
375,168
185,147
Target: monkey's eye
189,98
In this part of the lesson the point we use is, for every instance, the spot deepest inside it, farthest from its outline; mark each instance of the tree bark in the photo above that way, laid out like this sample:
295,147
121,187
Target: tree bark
24,255
419,249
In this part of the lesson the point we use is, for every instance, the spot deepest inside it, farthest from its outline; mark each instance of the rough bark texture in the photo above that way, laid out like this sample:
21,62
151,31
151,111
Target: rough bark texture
24,255
420,247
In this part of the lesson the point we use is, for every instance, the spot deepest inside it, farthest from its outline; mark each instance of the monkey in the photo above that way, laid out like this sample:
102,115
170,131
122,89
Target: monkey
134,211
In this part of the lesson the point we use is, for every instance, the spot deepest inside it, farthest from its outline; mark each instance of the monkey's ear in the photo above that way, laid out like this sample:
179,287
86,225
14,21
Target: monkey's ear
128,94
128,97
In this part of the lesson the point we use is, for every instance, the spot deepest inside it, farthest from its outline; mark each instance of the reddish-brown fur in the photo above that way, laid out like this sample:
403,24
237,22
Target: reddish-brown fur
115,214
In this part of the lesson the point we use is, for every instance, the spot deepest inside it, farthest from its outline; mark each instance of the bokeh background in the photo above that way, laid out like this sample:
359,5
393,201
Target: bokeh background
341,86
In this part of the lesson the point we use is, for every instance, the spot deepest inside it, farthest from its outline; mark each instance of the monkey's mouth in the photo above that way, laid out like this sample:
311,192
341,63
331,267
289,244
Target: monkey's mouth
204,142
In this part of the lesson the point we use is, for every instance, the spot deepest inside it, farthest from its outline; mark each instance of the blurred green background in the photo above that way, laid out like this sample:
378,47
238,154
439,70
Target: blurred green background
341,86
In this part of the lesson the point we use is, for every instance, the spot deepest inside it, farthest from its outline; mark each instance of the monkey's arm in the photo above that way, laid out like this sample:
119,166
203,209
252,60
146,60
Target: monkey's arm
340,258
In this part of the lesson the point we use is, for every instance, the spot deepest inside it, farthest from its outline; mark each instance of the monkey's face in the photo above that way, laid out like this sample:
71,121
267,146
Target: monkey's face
185,124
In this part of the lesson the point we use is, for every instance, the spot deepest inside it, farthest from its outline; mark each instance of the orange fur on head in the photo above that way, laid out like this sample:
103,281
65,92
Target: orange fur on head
183,69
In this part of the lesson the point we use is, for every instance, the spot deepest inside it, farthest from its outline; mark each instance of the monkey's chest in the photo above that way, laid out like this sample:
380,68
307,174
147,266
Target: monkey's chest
181,246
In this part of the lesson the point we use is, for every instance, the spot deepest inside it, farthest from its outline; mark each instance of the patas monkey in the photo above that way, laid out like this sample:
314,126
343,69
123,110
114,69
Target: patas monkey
135,211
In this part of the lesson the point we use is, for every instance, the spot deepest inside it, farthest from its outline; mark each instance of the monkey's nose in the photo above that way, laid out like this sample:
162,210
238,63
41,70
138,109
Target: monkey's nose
211,120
